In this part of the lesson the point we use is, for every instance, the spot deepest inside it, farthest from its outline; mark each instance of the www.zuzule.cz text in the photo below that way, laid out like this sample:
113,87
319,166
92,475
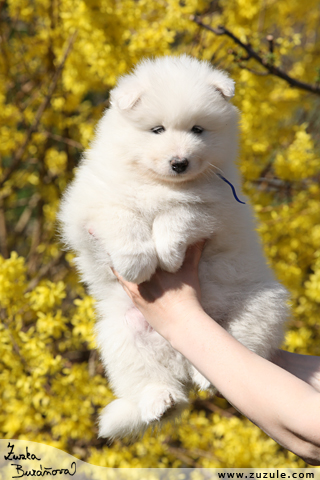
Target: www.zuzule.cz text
269,475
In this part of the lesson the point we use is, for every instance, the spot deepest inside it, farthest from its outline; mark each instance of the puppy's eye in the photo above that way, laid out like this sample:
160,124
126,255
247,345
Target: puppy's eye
197,130
158,129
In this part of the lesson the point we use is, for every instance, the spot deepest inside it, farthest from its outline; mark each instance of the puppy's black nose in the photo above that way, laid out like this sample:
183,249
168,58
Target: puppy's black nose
179,165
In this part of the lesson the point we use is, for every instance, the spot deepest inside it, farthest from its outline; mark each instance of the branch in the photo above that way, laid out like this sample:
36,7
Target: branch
21,150
68,141
3,232
278,183
278,72
44,270
211,407
255,72
191,457
26,214
183,455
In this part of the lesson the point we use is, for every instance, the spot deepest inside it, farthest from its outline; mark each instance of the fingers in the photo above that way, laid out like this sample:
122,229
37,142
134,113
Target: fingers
127,286
145,291
192,259
118,277
194,252
116,274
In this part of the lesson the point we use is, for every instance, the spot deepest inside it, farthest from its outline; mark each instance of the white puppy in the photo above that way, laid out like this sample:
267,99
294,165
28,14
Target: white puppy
146,189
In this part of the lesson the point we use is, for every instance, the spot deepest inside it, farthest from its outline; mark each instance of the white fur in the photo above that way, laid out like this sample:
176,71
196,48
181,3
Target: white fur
141,214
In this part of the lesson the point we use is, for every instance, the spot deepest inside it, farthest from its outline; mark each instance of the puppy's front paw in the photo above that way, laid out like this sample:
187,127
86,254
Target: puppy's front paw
136,267
170,257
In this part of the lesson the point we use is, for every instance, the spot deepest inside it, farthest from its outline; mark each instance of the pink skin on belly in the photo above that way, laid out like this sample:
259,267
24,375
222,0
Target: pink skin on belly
136,320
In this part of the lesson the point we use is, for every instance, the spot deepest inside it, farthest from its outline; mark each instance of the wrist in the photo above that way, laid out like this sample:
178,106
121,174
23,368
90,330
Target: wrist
185,322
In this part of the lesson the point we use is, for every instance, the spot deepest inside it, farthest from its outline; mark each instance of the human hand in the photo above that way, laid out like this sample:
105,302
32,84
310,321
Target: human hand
168,299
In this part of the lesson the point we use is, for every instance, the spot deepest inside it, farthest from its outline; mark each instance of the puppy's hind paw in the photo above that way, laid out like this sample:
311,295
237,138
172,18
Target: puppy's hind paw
119,419
159,402
199,379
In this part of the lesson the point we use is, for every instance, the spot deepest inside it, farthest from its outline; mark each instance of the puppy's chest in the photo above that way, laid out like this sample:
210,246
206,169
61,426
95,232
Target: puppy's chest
181,216
150,204
197,212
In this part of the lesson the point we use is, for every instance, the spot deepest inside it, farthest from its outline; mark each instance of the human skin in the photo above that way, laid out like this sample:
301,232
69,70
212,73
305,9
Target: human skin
282,397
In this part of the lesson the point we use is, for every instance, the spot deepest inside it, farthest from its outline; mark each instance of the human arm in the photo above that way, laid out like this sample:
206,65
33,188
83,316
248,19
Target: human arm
283,405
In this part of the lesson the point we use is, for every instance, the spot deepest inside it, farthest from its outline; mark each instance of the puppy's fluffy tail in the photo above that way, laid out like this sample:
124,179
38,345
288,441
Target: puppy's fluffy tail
121,418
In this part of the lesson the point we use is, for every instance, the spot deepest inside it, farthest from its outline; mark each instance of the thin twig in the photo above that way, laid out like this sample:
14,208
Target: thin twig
35,240
278,72
276,182
92,363
21,150
207,405
191,456
68,141
183,455
255,72
4,251
43,272
26,214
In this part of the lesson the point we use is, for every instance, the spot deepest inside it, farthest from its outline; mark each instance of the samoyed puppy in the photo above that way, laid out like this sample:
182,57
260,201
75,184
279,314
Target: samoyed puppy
153,182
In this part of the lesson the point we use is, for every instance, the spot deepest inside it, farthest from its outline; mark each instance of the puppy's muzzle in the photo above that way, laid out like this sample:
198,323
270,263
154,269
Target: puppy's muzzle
179,165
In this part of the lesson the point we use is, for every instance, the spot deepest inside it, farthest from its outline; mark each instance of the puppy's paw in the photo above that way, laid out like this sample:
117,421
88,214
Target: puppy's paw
199,379
171,257
136,267
119,419
152,410
170,236
157,401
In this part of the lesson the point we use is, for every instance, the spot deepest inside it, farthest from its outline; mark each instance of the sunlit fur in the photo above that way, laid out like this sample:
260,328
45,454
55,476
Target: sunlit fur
128,208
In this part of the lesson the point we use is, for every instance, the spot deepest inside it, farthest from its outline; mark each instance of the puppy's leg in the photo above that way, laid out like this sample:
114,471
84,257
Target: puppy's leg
119,419
130,416
127,239
199,379
125,342
159,401
174,230
170,242
126,418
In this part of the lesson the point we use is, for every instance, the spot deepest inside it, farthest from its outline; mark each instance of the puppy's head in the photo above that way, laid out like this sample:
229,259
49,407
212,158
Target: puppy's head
176,119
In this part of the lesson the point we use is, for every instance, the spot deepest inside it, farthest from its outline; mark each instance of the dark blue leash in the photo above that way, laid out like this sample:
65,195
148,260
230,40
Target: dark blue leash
232,187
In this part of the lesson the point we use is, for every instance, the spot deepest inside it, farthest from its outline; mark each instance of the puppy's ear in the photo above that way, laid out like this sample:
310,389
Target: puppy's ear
221,82
125,98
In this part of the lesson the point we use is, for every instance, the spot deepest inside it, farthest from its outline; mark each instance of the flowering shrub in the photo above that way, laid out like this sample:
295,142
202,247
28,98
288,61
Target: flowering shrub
58,62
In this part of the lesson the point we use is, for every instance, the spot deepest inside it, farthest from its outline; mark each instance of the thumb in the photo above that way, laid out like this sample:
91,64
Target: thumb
194,252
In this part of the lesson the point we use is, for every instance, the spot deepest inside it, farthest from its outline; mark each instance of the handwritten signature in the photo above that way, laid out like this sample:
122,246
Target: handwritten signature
34,472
